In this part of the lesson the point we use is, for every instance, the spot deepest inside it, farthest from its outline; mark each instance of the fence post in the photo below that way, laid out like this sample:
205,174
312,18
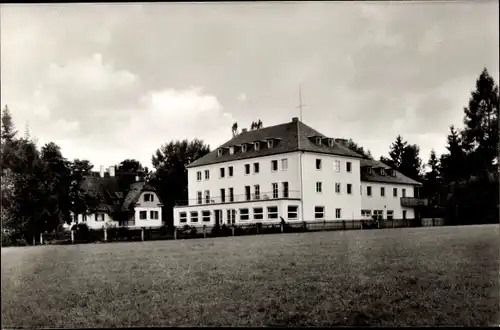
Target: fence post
282,229
232,228
105,235
361,222
257,228
204,231
175,232
392,222
41,239
72,236
343,224
142,234
34,241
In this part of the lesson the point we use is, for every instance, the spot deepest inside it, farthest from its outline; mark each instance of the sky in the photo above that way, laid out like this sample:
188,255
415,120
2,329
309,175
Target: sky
108,82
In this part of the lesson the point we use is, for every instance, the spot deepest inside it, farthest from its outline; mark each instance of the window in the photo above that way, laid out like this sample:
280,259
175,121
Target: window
382,171
395,192
403,192
247,168
199,197
348,166
369,170
284,164
369,191
349,189
378,214
272,212
404,214
330,142
231,216
337,214
257,191
243,214
319,212
194,216
390,214
154,215
318,141
247,193
143,215
258,213
223,195
231,150
148,197
337,187
293,212
382,191
256,146
244,148
274,165
230,170
319,187
222,172
318,164
366,213
198,176
275,190
182,217
270,143
207,196
99,217
205,216
256,167
219,152
231,194
337,166
285,189
207,174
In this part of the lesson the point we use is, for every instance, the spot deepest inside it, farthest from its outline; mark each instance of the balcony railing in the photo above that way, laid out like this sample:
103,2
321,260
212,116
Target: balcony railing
413,201
277,194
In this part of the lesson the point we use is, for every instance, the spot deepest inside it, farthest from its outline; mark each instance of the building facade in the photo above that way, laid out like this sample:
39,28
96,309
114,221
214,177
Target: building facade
290,172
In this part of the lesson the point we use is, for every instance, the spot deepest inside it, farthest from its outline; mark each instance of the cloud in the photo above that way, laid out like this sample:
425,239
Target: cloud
242,97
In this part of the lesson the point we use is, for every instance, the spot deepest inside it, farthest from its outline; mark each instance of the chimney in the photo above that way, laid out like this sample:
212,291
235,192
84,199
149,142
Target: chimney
101,172
111,171
295,119
243,130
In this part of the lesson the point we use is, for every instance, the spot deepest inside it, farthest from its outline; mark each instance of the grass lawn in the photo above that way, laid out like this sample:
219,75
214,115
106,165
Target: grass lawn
393,277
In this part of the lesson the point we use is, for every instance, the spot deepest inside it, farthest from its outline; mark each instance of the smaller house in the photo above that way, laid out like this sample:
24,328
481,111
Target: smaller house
124,200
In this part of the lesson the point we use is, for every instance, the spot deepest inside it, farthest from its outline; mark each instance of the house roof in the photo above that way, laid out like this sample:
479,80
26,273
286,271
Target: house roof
287,137
375,176
114,198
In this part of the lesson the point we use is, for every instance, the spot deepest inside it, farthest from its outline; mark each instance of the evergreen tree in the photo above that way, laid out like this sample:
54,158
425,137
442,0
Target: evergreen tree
359,149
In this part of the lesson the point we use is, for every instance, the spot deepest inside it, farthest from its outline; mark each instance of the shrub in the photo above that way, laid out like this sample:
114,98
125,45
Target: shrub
123,233
82,232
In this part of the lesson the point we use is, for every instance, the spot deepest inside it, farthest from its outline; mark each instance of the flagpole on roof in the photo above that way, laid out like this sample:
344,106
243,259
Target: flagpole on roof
300,106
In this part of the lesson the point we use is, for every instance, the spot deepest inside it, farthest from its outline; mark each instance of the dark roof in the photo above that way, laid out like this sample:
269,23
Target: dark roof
288,137
375,176
112,198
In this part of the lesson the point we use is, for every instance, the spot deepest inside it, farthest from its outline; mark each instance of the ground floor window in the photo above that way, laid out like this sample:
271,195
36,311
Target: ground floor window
99,217
272,212
258,213
378,214
366,213
143,215
84,218
390,214
205,216
404,214
338,214
231,216
319,212
243,214
194,216
293,212
182,217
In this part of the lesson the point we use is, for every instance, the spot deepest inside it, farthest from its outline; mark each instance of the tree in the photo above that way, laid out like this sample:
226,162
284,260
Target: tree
256,125
81,200
8,127
235,129
432,181
411,164
480,134
358,149
453,162
397,149
170,178
130,166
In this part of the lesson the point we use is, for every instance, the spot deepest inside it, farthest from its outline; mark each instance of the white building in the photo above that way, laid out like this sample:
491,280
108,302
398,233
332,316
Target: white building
123,201
293,172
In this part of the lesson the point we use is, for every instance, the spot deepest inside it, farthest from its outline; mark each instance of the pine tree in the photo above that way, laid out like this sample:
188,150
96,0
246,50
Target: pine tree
8,127
396,152
453,165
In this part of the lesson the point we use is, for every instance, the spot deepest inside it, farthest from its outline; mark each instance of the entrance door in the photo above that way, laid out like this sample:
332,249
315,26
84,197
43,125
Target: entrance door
231,216
218,217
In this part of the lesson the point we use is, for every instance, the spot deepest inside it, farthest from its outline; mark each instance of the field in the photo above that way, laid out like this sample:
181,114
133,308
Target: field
393,277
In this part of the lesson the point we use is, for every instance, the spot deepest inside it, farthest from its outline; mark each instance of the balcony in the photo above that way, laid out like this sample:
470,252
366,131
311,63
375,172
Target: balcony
280,194
413,201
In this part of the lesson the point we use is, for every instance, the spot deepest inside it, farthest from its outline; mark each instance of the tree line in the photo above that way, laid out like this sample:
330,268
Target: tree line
40,187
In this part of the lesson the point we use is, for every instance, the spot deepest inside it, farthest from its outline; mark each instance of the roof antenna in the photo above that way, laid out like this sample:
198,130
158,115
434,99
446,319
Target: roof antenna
300,106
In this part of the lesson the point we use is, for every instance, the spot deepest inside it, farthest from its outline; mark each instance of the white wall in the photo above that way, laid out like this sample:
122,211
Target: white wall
389,202
282,205
350,205
264,178
148,222
93,224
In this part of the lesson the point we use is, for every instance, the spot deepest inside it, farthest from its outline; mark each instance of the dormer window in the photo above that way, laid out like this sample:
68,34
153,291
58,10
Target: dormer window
231,150
270,143
244,148
318,141
369,170
219,152
330,142
256,145
393,173
382,171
